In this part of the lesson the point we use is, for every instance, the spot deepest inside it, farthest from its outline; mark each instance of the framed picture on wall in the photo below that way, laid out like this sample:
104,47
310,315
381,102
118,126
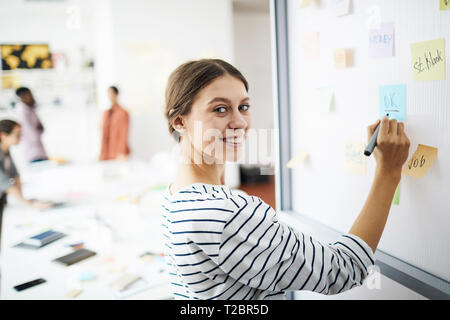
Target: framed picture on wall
25,56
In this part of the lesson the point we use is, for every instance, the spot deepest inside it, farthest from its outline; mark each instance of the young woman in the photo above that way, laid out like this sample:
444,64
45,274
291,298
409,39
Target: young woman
225,244
10,133
115,130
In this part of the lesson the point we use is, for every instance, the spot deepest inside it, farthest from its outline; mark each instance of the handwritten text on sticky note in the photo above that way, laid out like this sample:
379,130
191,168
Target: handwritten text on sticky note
393,101
381,41
445,5
428,60
420,161
355,162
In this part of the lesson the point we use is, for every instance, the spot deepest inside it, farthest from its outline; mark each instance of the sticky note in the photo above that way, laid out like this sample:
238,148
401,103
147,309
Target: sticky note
117,269
310,46
340,7
305,3
393,101
428,60
342,58
322,98
355,161
396,199
445,5
298,158
73,293
420,161
381,41
86,276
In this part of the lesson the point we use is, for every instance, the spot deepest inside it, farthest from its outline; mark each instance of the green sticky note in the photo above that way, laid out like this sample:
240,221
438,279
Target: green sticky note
445,4
323,98
159,187
396,199
428,60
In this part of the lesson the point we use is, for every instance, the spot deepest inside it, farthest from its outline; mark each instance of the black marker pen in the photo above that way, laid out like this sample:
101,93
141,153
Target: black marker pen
373,141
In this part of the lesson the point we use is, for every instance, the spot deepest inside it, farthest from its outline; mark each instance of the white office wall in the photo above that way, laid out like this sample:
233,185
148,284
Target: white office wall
135,45
252,52
151,38
64,25
71,128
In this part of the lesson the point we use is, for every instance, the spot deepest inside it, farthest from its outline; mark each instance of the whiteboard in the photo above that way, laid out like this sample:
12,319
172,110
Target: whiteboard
418,229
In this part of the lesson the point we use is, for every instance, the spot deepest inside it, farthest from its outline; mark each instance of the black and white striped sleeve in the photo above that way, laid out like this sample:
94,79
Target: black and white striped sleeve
261,252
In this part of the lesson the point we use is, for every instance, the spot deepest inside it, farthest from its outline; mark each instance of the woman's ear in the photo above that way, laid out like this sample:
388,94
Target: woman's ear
178,125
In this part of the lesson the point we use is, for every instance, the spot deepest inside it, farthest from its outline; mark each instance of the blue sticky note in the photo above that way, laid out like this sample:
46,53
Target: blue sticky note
393,101
86,276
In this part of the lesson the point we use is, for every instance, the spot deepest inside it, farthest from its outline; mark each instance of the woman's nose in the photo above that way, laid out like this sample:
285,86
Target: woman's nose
237,121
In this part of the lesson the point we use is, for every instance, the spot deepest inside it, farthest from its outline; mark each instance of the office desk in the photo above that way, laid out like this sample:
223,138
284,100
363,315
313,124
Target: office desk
112,207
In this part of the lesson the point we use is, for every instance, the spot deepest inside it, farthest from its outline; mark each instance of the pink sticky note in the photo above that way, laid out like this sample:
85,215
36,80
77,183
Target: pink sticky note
310,46
381,41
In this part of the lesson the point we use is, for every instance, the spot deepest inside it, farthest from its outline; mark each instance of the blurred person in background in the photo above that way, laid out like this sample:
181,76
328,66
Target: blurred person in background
32,127
10,134
115,130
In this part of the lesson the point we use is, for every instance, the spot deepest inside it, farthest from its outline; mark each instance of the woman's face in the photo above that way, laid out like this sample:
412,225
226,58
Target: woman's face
112,95
219,119
13,138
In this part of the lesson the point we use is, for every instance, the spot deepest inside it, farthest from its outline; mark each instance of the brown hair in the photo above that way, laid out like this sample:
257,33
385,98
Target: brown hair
7,126
115,89
186,82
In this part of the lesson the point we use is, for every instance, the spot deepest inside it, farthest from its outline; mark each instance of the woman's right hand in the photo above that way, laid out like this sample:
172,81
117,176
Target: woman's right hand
41,205
392,148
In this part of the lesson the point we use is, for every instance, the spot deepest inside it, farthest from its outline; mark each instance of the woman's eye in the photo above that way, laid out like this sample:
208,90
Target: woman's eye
244,107
221,110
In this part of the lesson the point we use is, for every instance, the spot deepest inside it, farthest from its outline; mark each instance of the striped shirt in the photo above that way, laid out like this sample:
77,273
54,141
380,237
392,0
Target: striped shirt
224,244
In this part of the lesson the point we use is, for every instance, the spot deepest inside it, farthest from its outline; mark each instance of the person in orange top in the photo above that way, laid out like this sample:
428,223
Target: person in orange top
115,130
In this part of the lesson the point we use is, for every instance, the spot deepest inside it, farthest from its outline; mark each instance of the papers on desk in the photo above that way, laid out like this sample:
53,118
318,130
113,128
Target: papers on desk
40,240
130,284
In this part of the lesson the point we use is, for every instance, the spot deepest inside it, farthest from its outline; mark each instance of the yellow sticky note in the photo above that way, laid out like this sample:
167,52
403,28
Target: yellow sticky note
445,4
73,293
305,3
342,58
117,269
428,60
420,161
355,161
299,158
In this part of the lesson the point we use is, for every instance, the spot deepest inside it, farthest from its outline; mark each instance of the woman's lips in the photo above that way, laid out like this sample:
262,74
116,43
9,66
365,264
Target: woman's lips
234,141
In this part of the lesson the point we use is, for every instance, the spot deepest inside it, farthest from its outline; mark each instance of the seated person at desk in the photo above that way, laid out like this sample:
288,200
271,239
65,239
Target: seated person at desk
115,130
224,244
31,126
10,132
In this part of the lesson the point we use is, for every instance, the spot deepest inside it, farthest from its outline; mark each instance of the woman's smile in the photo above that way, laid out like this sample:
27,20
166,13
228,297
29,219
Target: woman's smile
234,141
